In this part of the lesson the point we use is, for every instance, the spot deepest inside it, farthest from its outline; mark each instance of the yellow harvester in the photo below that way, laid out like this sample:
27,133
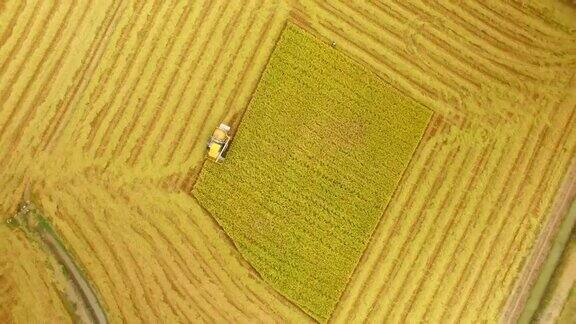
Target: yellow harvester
218,143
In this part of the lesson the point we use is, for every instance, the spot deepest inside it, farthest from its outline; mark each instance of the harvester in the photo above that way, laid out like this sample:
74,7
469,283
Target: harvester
218,143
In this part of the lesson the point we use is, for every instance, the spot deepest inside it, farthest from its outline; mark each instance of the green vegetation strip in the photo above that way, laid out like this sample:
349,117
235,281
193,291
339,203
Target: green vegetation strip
317,157
81,294
537,293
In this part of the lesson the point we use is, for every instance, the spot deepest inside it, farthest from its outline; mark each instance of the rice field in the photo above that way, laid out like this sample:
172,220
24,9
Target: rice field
105,107
304,186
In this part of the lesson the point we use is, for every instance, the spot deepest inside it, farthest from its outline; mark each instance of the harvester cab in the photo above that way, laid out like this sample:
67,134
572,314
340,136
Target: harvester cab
218,143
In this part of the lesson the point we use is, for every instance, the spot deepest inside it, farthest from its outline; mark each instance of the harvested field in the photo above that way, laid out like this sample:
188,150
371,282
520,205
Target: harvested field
105,107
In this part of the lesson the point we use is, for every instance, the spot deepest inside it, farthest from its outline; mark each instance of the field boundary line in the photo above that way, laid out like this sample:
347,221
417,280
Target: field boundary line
521,291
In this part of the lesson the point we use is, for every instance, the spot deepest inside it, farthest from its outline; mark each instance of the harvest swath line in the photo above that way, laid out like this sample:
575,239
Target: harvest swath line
501,45
526,11
127,281
515,31
97,120
16,136
167,273
10,29
22,37
389,33
429,91
431,259
146,238
414,229
93,59
204,43
501,221
170,246
551,227
182,59
219,263
215,256
47,82
437,40
78,231
474,50
182,265
477,208
109,118
197,98
543,181
182,138
6,93
412,84
381,252
127,131
480,165
505,43
265,29
125,98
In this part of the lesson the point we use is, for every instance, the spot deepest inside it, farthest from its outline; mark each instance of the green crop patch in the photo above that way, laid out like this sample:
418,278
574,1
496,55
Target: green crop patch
320,150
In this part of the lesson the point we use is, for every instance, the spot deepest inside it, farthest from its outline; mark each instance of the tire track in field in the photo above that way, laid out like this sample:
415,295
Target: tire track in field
516,27
371,14
356,24
425,89
525,11
476,49
507,41
500,48
459,51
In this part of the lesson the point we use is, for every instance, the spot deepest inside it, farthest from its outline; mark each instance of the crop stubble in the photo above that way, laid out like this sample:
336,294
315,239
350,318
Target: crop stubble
497,75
